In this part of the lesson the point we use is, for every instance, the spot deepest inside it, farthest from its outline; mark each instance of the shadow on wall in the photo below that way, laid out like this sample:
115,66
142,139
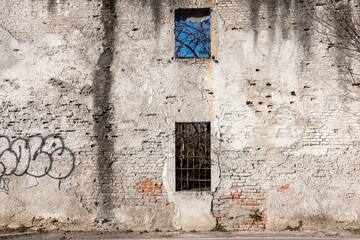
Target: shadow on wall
36,156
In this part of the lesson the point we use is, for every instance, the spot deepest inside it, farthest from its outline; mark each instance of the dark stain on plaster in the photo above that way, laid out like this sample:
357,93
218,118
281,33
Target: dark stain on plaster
304,17
286,4
341,16
155,6
272,7
300,22
51,5
102,105
254,12
255,15
256,38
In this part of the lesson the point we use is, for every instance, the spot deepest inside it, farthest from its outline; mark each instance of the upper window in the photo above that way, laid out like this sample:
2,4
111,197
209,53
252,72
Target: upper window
193,161
192,33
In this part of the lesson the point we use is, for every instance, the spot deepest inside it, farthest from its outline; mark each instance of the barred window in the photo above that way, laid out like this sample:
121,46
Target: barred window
193,156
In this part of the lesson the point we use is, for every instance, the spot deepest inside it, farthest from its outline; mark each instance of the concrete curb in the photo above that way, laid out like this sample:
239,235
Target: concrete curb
253,238
178,236
16,235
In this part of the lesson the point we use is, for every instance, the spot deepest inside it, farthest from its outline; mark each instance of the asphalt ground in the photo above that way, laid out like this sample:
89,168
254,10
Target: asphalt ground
285,235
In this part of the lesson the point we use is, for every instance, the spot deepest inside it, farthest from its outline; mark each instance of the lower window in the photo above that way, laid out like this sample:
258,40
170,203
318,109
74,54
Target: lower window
193,156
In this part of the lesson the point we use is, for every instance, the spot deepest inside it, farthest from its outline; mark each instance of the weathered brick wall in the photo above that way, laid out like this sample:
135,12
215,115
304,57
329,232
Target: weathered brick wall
280,106
48,55
91,91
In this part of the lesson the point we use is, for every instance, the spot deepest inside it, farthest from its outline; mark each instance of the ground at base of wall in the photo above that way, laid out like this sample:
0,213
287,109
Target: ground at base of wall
242,235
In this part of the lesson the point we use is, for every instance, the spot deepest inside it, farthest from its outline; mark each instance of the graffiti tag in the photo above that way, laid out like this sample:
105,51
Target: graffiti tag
35,156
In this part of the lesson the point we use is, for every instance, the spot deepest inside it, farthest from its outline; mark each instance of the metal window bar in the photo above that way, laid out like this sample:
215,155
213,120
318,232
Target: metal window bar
193,156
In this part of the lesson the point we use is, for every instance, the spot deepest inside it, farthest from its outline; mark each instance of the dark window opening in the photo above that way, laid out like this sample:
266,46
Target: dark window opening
192,33
193,161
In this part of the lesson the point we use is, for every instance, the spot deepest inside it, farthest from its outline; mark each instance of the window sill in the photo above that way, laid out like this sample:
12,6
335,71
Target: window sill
186,60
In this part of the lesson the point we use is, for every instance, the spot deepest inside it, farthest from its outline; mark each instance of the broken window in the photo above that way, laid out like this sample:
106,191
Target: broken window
192,33
193,161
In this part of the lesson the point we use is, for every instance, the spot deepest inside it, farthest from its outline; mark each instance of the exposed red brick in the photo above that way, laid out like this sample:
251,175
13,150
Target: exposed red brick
284,188
236,195
149,190
218,215
227,197
253,204
249,202
158,187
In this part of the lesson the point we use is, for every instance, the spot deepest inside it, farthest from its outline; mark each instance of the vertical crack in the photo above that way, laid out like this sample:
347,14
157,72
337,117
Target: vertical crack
218,185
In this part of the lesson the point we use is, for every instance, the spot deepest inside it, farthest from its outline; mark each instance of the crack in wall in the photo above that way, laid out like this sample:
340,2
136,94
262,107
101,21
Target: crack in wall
8,31
103,108
21,207
219,177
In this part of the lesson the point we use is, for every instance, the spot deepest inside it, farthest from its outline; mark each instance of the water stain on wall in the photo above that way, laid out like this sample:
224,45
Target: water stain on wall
103,108
51,5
